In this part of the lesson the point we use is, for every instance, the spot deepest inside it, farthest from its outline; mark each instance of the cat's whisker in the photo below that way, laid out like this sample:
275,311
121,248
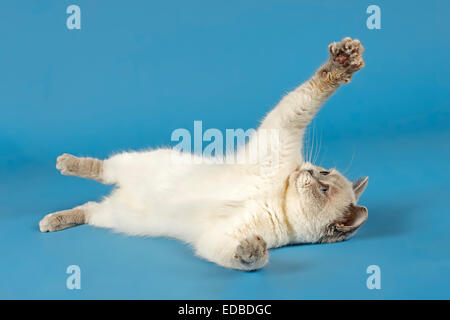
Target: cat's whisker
350,164
307,145
311,145
323,158
313,160
312,141
318,149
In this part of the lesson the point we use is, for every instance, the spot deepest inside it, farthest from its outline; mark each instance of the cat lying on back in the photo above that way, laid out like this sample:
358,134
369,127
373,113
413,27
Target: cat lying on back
232,214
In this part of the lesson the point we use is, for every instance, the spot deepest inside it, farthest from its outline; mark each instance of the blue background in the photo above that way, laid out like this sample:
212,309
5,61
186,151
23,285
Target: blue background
137,70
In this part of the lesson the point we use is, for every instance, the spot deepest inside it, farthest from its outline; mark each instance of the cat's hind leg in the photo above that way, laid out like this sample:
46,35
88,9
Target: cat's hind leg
89,168
67,218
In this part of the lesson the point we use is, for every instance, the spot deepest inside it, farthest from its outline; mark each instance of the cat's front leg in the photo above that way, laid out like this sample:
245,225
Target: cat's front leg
296,110
248,253
251,253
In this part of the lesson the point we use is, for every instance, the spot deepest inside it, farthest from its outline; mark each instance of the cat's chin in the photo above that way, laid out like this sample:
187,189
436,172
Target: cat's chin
304,179
294,177
300,179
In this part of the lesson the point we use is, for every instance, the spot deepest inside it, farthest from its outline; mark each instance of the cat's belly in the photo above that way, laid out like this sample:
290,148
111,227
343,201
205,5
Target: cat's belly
158,194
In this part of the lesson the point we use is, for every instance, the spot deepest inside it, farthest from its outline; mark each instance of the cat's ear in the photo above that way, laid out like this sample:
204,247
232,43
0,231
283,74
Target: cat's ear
359,186
354,218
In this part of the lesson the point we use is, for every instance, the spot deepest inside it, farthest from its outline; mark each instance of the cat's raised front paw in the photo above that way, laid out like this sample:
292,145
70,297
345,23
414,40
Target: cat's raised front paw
345,59
252,253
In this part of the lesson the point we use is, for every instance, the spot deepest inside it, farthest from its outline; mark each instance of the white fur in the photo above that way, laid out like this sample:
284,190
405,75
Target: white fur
211,206
216,207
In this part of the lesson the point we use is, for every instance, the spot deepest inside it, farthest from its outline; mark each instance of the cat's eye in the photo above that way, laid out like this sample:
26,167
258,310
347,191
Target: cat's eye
324,173
324,189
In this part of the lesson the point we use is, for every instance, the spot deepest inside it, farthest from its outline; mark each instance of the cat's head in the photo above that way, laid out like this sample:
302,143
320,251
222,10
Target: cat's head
322,204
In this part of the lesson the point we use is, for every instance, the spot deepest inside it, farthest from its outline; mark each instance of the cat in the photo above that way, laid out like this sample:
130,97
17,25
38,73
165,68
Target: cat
232,214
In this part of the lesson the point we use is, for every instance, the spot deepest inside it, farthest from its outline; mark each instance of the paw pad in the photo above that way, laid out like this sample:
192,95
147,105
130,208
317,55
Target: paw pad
347,54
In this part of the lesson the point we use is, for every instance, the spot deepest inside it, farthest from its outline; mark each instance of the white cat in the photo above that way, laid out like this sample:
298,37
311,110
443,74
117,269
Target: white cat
231,214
